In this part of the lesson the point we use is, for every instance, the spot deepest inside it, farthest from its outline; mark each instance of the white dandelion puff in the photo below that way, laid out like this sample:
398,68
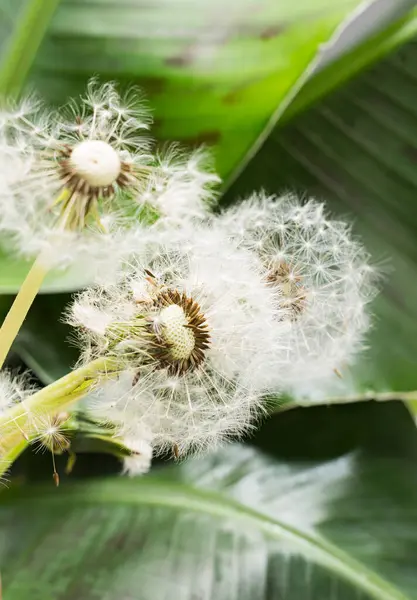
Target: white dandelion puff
72,182
66,174
190,327
322,280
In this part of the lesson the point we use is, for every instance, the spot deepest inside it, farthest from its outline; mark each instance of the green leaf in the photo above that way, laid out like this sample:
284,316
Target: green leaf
212,75
351,63
357,151
14,270
234,525
22,27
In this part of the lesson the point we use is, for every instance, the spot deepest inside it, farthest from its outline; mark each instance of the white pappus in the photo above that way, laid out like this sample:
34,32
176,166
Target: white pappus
190,326
13,390
73,181
322,280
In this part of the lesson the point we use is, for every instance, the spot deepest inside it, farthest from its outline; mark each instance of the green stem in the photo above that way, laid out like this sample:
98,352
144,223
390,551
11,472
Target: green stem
16,422
31,25
20,307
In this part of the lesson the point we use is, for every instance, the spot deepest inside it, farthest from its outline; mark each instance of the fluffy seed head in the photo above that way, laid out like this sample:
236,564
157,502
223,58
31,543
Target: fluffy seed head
321,280
190,326
89,151
83,183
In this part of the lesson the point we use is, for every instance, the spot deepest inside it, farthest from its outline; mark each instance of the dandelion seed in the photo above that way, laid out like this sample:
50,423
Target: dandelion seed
49,433
181,187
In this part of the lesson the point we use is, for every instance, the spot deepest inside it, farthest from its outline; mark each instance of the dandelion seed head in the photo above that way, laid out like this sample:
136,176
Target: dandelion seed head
66,175
195,348
75,180
321,278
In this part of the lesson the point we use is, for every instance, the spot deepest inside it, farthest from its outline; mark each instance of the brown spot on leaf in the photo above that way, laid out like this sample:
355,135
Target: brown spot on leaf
273,31
232,97
410,151
153,85
181,60
205,137
117,542
235,94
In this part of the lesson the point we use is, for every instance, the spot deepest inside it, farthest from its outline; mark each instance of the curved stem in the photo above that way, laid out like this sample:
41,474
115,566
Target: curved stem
31,285
16,422
8,458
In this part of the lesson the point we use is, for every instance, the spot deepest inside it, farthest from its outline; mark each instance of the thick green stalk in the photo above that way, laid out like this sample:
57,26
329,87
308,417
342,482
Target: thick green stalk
16,423
15,449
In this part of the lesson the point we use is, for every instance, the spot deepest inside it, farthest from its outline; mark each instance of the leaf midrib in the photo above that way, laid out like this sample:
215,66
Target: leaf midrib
181,496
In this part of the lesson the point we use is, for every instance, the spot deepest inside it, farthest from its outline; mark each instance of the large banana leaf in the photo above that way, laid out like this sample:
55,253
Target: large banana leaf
214,73
237,524
357,151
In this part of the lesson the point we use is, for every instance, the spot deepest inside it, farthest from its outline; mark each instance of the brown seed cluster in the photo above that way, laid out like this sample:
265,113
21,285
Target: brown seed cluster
292,295
161,350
